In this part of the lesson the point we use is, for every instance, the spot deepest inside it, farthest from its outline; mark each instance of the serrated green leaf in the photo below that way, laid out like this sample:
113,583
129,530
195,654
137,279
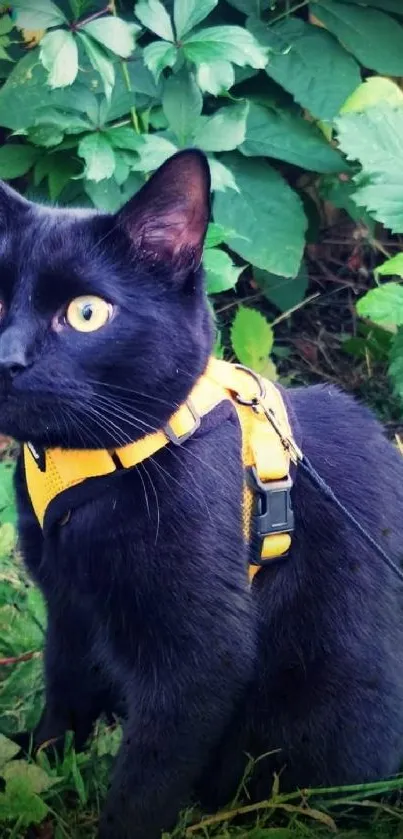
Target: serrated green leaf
188,13
215,76
224,130
37,14
8,750
375,139
105,195
396,363
308,62
182,104
215,235
23,93
373,91
221,272
392,266
100,63
16,160
370,35
59,55
284,292
383,305
153,15
251,338
266,214
221,177
159,55
45,135
225,43
274,132
35,778
99,156
152,150
113,33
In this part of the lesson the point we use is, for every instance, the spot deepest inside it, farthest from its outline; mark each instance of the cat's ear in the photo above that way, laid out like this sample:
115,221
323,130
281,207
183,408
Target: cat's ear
167,219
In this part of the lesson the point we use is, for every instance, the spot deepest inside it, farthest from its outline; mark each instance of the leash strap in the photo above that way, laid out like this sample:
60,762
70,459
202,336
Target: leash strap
306,467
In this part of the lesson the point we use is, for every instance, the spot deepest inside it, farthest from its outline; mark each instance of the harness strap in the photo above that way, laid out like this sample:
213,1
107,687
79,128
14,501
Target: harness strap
55,475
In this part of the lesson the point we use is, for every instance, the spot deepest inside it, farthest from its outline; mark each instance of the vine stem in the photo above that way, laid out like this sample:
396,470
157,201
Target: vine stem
126,76
15,659
290,11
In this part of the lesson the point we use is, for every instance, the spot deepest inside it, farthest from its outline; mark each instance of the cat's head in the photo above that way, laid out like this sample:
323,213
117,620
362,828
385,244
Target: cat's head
104,325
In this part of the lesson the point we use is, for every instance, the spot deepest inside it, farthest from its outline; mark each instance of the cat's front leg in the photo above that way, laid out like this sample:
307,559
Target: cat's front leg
177,716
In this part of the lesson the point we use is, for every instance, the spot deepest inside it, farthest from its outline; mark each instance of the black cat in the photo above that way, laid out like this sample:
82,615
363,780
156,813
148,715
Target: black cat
150,613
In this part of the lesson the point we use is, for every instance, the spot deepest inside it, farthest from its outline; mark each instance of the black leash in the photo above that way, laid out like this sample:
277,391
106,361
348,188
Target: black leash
306,467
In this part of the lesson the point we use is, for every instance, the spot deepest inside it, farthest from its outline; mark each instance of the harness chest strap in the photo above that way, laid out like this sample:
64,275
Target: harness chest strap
266,461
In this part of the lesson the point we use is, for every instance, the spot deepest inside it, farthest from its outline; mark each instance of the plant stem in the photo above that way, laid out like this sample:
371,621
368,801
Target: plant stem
290,11
15,659
92,17
126,76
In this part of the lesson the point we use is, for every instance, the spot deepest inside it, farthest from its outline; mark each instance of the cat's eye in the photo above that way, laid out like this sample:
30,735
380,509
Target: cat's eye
88,313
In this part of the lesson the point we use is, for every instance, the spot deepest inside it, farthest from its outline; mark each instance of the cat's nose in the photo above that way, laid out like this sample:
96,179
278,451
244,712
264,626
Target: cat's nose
14,357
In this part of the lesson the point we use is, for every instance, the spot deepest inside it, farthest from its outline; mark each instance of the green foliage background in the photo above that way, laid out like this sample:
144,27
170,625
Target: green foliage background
96,96
294,104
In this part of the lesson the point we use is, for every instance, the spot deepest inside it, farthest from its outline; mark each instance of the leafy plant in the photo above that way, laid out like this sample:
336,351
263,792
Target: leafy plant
96,97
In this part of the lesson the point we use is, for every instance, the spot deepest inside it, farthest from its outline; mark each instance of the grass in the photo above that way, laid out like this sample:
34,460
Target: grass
62,799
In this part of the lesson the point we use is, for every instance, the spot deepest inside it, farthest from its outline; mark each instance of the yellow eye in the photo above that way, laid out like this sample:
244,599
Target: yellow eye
88,313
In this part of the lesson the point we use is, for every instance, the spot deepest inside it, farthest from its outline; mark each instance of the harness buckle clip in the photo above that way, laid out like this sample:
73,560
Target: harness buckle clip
273,513
170,433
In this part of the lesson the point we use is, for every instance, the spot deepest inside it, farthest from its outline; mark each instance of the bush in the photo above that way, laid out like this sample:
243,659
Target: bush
96,97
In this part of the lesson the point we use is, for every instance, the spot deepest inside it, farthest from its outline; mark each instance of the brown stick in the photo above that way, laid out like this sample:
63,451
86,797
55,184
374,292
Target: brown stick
15,659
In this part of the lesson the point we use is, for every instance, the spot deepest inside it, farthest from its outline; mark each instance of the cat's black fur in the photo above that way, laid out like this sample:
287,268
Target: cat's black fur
150,611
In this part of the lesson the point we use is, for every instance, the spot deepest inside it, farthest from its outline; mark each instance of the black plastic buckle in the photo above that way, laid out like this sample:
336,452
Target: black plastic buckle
178,441
272,513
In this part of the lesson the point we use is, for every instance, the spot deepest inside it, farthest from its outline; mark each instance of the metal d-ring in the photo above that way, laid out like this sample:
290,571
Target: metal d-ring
251,403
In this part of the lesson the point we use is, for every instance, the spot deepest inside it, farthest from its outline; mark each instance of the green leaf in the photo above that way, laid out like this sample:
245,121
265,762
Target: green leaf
45,135
308,62
153,15
59,169
373,91
105,195
271,132
221,273
188,13
228,43
16,160
215,235
8,750
221,177
383,305
373,37
392,266
266,215
386,5
7,500
159,55
125,137
182,103
215,76
59,56
375,139
24,782
36,14
113,33
224,130
6,25
37,780
23,93
396,363
100,63
153,150
98,155
251,338
284,292
251,7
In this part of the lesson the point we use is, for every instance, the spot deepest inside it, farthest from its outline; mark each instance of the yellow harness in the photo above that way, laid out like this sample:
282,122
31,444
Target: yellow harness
53,475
